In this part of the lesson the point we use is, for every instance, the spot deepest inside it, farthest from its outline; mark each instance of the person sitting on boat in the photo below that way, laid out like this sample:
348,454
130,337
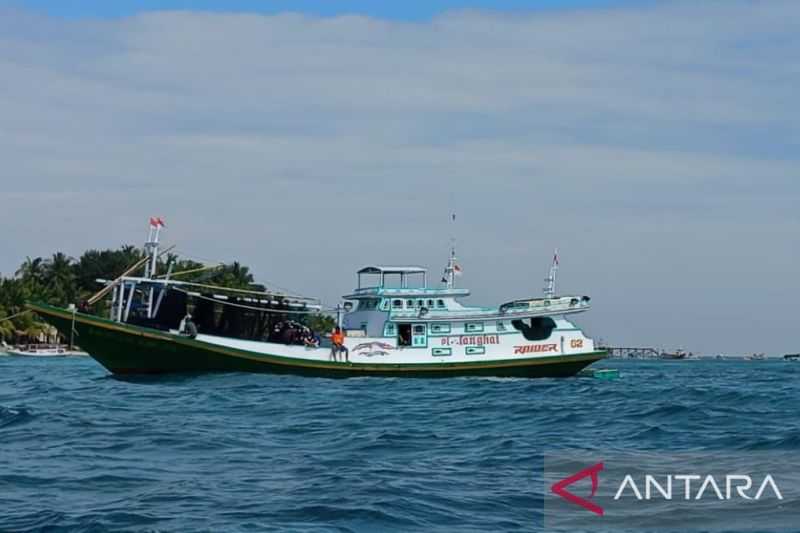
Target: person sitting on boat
188,327
337,345
309,339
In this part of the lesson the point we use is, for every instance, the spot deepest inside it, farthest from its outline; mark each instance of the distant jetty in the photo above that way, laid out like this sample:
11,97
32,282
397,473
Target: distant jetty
644,353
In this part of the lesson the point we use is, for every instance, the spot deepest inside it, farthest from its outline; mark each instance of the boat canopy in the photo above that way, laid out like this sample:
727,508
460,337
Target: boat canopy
404,272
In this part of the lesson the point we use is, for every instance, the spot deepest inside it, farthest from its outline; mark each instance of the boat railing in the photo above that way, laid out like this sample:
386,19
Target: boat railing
497,313
410,292
568,302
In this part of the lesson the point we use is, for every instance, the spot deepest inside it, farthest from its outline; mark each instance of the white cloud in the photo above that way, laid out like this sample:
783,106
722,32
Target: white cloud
656,146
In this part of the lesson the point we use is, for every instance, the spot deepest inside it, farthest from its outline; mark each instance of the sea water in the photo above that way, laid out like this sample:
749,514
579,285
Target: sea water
83,451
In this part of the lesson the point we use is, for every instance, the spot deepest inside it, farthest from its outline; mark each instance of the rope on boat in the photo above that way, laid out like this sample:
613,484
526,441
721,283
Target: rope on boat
260,309
72,331
218,264
12,317
192,271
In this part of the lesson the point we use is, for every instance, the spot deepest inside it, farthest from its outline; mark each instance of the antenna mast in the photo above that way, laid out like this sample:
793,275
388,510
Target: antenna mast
151,250
452,268
550,280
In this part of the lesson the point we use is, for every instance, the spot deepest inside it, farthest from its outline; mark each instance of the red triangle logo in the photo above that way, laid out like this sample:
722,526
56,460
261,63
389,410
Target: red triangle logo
560,488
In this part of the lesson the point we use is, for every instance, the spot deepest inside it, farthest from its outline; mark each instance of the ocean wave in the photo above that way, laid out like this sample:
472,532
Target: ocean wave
81,451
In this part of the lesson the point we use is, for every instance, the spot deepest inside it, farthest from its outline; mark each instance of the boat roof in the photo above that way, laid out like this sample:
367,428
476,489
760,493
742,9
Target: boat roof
411,292
221,292
383,269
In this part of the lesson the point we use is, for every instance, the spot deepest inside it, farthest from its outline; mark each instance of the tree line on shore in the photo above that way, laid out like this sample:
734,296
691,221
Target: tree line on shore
62,280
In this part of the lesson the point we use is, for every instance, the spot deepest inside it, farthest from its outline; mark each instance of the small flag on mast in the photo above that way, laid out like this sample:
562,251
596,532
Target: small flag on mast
555,257
157,222
457,269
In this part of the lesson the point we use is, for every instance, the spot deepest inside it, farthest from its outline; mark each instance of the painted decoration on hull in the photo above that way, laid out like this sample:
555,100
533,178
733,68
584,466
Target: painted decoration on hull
373,349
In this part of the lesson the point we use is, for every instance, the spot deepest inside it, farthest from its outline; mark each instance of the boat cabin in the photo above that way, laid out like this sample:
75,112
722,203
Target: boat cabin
395,302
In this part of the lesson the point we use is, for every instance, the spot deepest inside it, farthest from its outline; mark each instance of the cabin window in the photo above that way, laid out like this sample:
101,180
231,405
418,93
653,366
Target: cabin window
535,329
501,326
430,303
475,350
384,305
420,303
442,351
397,304
368,305
440,304
419,329
389,330
440,328
410,304
473,327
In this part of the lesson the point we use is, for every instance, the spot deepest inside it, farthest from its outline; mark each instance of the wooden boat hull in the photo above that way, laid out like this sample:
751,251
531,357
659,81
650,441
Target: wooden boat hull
126,349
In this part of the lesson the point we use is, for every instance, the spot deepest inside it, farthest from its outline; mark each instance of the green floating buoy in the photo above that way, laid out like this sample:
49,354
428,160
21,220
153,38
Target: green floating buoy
600,373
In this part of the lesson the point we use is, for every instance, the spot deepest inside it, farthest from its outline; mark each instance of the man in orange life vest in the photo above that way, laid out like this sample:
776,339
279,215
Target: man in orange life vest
337,345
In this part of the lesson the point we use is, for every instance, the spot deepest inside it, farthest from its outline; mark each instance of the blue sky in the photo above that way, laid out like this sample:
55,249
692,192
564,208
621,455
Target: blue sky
403,10
656,145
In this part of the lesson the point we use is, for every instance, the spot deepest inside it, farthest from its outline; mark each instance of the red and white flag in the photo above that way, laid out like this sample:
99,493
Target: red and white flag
157,222
457,270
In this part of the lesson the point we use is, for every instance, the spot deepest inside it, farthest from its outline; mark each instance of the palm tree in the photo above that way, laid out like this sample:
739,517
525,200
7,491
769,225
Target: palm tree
30,277
59,279
235,276
32,270
6,326
240,275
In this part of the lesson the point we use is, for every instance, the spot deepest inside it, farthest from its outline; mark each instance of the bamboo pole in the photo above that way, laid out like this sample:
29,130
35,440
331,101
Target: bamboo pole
105,290
192,271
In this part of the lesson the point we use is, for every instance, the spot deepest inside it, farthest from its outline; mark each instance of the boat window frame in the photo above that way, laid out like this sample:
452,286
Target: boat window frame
478,329
440,304
440,328
368,304
397,303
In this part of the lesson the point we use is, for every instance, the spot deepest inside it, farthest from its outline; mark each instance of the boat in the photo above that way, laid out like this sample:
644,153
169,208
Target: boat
393,323
37,350
677,354
42,350
792,357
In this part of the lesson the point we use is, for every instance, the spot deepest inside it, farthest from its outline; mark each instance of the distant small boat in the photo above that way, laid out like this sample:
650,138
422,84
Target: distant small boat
792,356
677,354
42,350
755,357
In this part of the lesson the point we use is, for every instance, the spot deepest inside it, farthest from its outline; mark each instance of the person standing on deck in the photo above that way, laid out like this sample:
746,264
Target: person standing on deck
337,345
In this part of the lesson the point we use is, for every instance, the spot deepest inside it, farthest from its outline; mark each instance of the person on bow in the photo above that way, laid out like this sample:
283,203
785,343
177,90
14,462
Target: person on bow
337,345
